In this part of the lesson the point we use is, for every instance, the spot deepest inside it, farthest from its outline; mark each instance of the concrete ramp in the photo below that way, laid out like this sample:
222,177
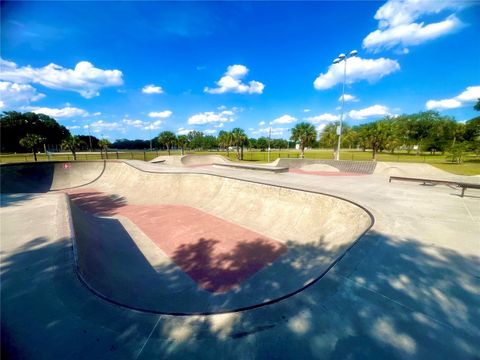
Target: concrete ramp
190,160
410,169
346,166
45,176
180,243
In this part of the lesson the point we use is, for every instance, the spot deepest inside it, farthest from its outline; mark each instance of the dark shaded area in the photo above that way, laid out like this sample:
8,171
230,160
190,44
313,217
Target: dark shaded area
220,272
438,311
26,178
97,203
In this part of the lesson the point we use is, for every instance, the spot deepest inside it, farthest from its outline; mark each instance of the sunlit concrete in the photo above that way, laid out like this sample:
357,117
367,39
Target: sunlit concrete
407,289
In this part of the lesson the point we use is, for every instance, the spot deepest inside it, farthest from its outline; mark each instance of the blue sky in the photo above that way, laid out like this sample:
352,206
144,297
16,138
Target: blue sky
133,69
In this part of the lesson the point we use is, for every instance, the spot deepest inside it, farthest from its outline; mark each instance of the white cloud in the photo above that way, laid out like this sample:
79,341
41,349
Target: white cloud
218,125
375,110
134,123
471,93
65,112
98,113
160,114
397,26
210,131
284,119
155,125
261,123
212,117
443,104
231,81
74,127
357,69
306,110
323,118
274,132
85,79
18,94
183,131
348,98
152,89
100,125
320,127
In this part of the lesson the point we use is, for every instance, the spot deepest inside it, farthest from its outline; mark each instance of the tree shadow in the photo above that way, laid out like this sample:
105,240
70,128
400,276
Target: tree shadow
386,298
96,202
217,271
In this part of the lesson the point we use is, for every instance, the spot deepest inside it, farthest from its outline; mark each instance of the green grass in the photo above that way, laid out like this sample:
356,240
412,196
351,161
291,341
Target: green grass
470,166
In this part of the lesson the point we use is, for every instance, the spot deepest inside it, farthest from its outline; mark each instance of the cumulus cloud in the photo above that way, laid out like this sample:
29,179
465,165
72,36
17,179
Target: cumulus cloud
357,69
134,123
323,118
284,119
155,125
85,79
231,81
470,94
15,94
348,98
274,132
183,131
152,89
210,131
160,114
397,26
100,126
375,110
65,112
306,110
212,117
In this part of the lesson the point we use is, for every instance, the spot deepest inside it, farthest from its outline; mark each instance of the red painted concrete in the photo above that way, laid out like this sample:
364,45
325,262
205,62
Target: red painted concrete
215,253
324,173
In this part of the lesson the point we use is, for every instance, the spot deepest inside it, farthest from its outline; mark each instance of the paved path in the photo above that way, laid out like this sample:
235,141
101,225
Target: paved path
408,289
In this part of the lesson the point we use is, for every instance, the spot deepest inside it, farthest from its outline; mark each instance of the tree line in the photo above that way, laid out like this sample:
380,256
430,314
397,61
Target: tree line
419,132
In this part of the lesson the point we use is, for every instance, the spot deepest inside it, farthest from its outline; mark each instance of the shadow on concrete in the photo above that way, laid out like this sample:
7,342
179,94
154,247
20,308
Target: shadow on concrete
97,203
221,271
26,178
387,298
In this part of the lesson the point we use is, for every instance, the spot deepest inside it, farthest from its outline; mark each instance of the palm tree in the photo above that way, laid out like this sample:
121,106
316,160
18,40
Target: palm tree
104,144
31,141
182,142
72,143
305,134
225,140
240,139
168,139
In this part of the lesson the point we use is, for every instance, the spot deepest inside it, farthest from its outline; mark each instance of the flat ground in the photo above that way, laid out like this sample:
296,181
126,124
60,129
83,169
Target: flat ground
407,289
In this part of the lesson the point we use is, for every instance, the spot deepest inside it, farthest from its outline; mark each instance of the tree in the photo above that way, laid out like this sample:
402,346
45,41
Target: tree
196,139
71,143
262,143
15,126
240,139
225,140
305,134
182,142
167,139
328,137
31,141
376,135
477,105
104,144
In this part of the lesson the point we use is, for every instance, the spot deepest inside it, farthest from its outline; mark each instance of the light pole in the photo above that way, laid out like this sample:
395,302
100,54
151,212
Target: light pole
342,57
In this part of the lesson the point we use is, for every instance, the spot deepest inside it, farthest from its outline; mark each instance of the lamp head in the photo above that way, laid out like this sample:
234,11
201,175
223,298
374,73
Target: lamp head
353,53
341,56
336,61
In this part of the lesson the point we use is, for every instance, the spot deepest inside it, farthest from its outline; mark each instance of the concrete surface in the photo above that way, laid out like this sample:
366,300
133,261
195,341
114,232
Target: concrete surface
407,289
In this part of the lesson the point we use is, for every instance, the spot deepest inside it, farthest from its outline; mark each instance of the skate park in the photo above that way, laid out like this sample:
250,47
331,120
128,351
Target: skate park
257,259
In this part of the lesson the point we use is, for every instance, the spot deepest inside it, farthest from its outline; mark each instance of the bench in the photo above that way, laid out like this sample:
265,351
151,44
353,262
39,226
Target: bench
275,169
461,185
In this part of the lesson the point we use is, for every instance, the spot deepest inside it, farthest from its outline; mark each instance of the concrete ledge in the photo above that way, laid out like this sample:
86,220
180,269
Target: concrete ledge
274,169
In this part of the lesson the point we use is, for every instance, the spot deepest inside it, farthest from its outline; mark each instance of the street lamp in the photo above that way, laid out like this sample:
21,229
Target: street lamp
342,57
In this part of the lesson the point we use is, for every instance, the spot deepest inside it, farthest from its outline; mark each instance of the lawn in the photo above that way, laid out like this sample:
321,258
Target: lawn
470,165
